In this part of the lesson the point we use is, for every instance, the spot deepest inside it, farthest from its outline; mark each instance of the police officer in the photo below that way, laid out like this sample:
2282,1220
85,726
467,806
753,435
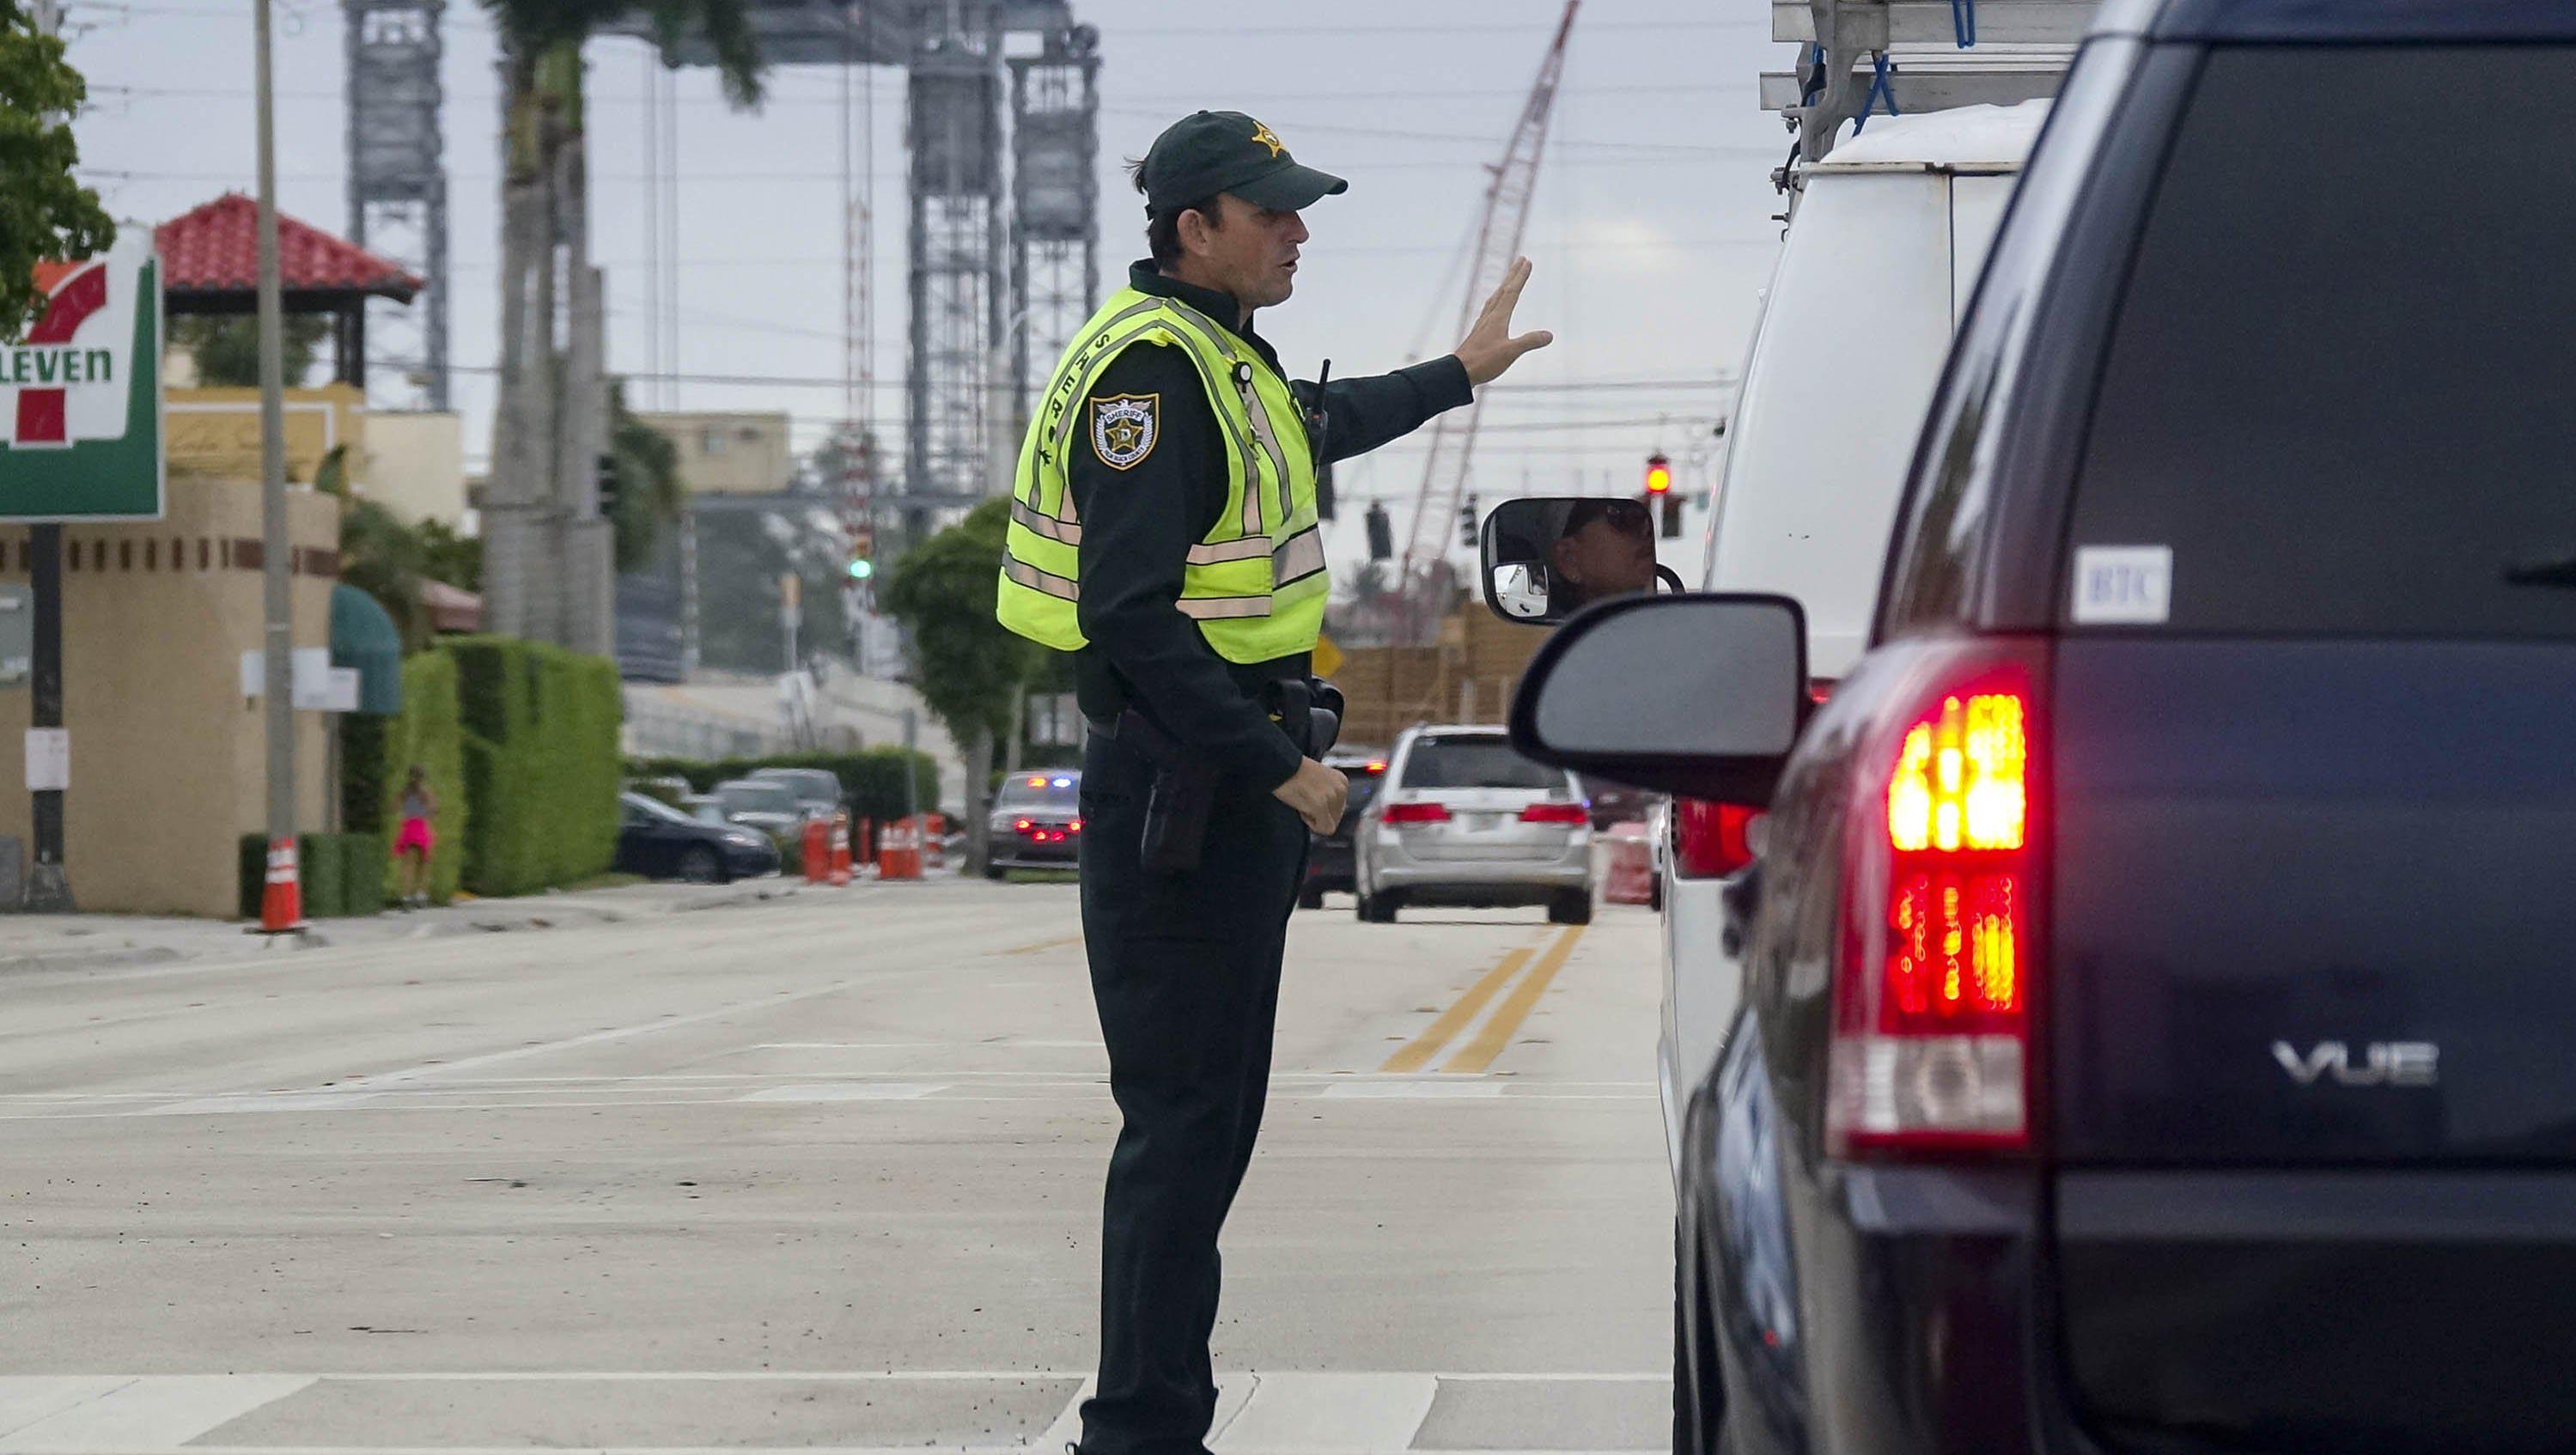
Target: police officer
1164,529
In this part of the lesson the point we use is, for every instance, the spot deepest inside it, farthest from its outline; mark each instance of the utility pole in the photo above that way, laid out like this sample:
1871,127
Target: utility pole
274,563
49,888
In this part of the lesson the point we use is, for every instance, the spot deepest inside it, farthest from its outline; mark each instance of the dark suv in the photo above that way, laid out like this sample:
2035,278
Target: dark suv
2160,963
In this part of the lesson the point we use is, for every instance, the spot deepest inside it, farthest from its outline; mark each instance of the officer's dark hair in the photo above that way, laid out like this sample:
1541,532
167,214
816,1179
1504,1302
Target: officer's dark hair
1163,229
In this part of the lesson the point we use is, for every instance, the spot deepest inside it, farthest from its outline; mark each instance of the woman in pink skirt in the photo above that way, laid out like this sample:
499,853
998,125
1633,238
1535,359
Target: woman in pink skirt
415,840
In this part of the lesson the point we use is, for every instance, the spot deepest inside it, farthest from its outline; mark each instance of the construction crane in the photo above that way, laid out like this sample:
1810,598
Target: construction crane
1498,242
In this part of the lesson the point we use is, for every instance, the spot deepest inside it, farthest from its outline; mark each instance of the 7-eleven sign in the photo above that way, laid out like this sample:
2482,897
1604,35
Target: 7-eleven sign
80,395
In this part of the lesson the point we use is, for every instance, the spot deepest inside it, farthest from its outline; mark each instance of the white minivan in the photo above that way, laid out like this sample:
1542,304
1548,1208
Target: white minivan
1882,253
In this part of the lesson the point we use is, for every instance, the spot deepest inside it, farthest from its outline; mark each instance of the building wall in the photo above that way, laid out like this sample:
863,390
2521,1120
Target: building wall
729,453
415,465
169,763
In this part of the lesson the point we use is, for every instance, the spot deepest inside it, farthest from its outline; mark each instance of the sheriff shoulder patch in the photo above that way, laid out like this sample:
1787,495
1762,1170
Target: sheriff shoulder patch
1123,429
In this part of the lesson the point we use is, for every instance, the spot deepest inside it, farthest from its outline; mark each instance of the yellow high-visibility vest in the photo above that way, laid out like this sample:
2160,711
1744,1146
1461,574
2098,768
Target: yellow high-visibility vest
1256,583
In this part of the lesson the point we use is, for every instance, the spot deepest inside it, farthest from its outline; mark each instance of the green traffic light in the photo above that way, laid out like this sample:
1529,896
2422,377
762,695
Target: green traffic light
862,569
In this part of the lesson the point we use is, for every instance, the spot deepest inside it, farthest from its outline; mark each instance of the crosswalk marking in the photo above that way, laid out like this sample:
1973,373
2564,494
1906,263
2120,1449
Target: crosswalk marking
1298,1412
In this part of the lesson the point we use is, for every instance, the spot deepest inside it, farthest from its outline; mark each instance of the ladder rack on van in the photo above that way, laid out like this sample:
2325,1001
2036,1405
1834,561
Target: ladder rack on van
1874,57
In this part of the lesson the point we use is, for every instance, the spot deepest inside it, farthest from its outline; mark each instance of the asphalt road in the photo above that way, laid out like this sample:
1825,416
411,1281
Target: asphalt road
820,1172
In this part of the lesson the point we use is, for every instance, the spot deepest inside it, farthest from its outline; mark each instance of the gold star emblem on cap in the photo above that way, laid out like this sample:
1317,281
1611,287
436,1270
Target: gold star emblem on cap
1261,134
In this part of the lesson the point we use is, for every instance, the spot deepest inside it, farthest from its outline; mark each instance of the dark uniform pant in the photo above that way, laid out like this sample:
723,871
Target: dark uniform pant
1185,970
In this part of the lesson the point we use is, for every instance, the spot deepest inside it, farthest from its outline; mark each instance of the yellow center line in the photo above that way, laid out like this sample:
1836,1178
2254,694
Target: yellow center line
1053,944
1422,1048
1498,1032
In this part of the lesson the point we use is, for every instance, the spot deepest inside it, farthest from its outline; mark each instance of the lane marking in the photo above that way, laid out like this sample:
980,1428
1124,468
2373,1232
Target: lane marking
1414,1053
154,1412
1480,1052
1411,1090
1329,1414
846,1091
595,1038
263,1101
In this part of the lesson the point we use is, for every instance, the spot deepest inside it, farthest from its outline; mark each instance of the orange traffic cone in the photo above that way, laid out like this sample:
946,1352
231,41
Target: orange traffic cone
281,902
817,854
840,848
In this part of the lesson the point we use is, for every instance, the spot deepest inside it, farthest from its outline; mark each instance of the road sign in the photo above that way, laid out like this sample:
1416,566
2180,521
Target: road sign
80,397
1328,658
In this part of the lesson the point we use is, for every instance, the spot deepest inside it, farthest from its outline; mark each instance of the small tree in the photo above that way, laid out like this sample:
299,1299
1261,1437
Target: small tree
649,489
226,348
970,670
44,214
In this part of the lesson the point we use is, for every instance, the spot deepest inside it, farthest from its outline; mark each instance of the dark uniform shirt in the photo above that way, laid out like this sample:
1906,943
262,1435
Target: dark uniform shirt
1138,525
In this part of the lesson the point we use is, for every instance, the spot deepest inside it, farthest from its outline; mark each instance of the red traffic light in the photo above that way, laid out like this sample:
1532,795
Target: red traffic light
1659,474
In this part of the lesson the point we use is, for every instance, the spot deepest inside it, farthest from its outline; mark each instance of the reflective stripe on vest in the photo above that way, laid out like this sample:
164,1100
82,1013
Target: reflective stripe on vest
1257,582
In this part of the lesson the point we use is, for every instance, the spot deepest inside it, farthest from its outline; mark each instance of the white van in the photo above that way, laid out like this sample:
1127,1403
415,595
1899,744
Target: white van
1882,253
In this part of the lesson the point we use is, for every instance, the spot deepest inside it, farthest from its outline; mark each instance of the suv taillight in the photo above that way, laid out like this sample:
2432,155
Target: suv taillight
1932,1021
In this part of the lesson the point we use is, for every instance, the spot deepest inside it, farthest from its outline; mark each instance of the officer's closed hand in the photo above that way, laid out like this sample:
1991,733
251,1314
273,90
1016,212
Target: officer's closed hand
1489,347
1317,793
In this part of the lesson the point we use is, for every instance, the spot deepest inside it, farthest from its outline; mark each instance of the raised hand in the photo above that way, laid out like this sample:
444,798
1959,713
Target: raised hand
1489,347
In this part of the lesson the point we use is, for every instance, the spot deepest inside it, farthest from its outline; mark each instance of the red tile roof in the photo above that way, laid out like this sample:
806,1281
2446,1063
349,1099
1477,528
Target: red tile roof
215,249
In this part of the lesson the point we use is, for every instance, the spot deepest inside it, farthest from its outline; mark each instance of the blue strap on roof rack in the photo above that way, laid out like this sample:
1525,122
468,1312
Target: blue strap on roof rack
1878,89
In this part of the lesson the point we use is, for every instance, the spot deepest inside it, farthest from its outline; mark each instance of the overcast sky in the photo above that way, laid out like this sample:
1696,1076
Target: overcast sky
1651,227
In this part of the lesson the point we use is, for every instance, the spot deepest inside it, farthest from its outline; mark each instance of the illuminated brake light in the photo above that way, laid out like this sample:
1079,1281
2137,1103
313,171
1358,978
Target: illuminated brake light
1711,840
1960,777
1566,813
1932,1026
1416,813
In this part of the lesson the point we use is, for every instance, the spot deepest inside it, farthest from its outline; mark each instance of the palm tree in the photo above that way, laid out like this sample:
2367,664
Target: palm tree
549,557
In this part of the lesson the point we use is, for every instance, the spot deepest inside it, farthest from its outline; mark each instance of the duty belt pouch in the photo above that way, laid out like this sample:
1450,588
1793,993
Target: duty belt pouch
1176,806
1310,712
1324,718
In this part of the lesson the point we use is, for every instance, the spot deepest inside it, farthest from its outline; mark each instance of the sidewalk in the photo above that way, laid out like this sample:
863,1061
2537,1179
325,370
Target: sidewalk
97,941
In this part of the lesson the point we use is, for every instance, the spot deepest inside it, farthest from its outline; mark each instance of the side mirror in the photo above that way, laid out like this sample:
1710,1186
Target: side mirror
1701,695
1544,558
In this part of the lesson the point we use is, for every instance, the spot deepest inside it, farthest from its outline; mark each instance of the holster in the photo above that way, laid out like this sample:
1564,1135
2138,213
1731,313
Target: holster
1176,806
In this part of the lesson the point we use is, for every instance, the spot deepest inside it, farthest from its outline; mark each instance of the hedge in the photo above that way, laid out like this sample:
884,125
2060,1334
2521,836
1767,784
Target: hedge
871,782
541,763
428,733
338,875
362,771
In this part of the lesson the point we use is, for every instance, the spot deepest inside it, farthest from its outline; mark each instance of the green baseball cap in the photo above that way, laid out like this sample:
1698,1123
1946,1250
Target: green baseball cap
1209,152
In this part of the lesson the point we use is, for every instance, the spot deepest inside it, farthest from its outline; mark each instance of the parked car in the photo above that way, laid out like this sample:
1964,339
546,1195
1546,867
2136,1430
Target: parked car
817,790
660,842
1036,823
1461,818
1331,859
2154,1001
760,803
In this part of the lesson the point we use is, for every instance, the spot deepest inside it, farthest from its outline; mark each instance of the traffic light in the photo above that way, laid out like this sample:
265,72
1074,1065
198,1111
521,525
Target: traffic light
607,478
1659,493
863,543
861,568
1381,534
1467,523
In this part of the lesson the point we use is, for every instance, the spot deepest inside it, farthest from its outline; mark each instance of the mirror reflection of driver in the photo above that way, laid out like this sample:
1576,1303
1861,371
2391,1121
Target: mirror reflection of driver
1606,549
